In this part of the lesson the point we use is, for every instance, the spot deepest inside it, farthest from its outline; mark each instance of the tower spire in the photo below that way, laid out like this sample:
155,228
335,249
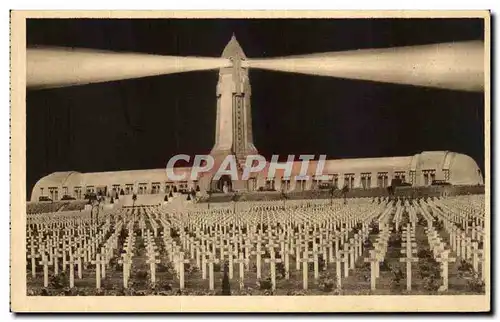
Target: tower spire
233,49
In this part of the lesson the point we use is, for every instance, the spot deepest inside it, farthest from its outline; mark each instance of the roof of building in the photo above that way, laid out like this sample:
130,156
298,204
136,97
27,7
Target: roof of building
57,178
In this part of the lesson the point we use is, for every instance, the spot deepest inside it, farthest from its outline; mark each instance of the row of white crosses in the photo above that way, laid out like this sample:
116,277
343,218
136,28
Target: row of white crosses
88,252
454,214
102,258
152,254
351,249
58,219
152,216
377,254
101,255
228,245
242,258
412,213
65,236
221,235
51,248
441,255
174,252
437,246
128,253
408,248
398,216
466,208
464,242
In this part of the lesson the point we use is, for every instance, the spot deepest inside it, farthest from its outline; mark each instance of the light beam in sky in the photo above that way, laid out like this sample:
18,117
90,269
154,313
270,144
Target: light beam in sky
60,67
455,66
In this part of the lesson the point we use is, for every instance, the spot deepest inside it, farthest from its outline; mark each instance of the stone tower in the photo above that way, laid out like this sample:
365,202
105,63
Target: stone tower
233,131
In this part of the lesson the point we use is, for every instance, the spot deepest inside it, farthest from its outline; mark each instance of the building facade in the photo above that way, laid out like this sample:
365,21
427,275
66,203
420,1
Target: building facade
418,170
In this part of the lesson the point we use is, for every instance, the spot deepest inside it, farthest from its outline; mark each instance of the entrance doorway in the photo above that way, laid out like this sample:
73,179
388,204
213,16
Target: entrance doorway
224,184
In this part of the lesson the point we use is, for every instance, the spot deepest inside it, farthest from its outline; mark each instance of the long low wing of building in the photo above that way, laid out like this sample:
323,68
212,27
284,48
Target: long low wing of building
418,170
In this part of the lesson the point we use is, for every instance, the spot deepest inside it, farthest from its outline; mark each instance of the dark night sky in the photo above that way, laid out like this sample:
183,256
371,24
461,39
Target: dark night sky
141,123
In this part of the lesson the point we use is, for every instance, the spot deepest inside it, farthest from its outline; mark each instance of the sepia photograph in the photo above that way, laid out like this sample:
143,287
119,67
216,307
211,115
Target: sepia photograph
334,161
